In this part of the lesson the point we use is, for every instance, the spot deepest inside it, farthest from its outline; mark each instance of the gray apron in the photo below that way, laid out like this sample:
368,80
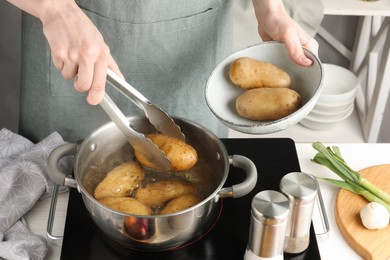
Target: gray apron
165,48
307,13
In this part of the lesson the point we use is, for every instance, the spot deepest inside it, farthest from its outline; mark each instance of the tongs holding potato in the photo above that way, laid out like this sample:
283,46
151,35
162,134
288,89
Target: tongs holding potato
157,117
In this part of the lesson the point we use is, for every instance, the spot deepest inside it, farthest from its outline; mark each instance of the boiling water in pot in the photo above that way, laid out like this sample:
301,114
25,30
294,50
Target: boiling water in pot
201,176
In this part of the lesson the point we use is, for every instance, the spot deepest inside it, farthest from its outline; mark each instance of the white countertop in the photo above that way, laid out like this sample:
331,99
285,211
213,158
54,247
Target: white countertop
347,131
357,155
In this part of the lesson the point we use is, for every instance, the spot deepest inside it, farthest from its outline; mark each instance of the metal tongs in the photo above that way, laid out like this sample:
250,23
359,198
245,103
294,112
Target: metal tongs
157,117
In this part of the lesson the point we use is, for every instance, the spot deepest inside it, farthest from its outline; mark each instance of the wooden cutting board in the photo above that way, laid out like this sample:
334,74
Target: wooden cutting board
370,244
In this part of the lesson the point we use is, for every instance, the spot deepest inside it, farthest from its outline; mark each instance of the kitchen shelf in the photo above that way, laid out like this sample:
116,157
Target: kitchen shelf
369,58
356,7
347,131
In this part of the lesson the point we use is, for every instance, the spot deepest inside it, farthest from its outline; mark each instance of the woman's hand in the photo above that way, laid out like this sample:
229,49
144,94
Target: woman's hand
274,23
77,47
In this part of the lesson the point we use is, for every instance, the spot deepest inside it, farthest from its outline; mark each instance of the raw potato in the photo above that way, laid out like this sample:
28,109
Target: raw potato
182,155
157,193
120,181
249,73
268,103
181,203
126,205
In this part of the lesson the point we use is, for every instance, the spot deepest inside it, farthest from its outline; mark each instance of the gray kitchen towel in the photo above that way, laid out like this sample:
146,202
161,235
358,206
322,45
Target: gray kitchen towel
23,181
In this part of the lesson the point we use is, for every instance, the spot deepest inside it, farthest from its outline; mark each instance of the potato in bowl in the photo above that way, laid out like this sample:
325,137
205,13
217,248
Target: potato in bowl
221,93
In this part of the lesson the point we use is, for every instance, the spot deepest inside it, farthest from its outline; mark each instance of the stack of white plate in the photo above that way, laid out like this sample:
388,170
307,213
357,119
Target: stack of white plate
336,101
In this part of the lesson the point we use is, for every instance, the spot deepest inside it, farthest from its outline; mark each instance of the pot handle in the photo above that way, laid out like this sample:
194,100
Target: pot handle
56,155
243,188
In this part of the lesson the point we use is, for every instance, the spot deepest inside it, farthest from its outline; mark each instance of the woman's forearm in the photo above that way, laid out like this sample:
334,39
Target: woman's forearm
44,9
267,6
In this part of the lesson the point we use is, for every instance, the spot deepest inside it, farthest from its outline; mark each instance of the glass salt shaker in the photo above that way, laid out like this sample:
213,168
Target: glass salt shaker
268,224
301,190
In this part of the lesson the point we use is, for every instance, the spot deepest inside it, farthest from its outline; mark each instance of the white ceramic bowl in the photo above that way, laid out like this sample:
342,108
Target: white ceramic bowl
331,108
324,124
339,85
335,115
221,93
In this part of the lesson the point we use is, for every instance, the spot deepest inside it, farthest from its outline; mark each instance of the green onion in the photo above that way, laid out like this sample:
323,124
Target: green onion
351,180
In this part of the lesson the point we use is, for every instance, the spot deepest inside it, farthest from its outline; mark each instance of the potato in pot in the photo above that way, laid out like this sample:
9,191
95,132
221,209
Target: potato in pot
181,203
182,155
268,103
157,193
126,205
249,73
120,181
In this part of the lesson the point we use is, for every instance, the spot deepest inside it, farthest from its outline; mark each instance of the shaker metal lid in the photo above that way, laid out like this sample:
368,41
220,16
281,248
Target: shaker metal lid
299,187
270,207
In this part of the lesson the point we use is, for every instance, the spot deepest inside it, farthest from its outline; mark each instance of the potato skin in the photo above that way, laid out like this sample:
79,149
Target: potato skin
120,181
181,203
249,73
268,103
126,205
157,193
182,155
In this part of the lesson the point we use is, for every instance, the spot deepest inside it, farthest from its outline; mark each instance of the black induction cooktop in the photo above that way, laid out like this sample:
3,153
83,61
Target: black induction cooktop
227,239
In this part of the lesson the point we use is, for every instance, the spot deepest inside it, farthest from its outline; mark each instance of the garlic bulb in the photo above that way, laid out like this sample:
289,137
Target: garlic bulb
374,216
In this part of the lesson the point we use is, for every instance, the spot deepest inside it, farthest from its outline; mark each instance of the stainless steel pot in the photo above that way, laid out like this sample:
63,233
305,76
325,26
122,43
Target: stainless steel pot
107,147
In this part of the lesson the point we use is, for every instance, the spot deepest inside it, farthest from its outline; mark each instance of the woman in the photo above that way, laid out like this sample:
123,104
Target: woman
164,48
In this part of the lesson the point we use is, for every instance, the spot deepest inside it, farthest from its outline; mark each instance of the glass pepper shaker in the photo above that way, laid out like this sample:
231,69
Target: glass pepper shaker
301,190
268,224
